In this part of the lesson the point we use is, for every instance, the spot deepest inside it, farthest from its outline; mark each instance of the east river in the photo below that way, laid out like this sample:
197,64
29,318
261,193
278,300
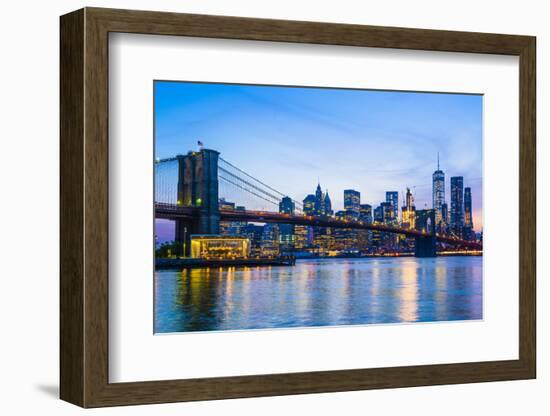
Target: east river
319,293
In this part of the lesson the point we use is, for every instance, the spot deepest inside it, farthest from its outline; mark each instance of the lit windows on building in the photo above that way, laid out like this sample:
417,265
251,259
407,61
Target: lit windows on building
303,237
269,243
231,227
388,213
352,201
309,204
408,211
392,197
286,231
219,247
457,205
365,213
468,216
438,195
468,220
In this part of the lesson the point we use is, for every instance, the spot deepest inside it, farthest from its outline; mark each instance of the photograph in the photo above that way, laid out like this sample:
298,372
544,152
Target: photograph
283,206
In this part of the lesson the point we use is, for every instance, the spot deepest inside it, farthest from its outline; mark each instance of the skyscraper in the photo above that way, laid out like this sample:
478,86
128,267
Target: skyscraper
408,211
365,213
309,204
379,214
392,197
388,213
352,201
438,196
457,204
468,219
286,231
319,201
328,204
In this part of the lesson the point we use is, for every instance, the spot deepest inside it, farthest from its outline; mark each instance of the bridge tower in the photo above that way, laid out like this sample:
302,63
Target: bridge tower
198,187
426,246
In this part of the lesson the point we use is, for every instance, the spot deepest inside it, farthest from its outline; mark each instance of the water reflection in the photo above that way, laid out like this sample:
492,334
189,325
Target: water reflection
318,293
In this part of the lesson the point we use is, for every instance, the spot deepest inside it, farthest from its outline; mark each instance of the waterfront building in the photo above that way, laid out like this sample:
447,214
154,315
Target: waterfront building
364,236
269,243
303,237
376,237
457,205
345,238
254,233
286,231
389,240
352,201
438,196
408,211
219,247
392,197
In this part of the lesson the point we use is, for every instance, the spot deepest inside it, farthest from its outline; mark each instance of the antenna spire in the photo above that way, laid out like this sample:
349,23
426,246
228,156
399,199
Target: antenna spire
437,160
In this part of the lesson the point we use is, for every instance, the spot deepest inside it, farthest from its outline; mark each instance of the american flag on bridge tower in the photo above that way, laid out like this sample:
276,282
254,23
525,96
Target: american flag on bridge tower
200,144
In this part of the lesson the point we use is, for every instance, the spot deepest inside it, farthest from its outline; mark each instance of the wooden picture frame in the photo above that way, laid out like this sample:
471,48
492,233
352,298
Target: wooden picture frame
84,207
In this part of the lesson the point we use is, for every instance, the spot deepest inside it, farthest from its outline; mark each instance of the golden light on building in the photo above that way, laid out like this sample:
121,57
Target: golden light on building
219,247
408,212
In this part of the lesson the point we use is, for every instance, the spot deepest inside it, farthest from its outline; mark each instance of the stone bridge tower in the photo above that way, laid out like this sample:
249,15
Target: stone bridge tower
198,187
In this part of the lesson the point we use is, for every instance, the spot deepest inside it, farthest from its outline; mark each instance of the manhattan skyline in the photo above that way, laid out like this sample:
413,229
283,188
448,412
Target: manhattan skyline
292,138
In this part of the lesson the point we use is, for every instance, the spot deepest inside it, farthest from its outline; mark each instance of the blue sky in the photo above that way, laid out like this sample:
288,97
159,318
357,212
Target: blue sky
371,141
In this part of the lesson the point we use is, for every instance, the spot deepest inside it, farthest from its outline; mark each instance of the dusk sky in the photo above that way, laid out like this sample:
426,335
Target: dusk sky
289,138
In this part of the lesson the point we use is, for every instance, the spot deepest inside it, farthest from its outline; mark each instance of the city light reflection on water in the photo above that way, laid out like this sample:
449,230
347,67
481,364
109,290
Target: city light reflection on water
319,293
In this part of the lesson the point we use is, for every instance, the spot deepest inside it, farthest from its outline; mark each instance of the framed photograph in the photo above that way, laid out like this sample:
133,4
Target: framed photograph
255,207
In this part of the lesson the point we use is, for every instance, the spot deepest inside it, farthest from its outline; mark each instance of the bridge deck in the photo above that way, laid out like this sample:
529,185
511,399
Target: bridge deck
171,211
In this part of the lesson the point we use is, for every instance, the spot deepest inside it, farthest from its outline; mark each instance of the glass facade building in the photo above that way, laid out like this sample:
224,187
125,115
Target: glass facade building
352,201
286,231
457,205
438,196
392,197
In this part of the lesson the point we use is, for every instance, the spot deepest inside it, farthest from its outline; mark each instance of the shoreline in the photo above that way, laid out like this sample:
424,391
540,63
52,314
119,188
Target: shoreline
171,264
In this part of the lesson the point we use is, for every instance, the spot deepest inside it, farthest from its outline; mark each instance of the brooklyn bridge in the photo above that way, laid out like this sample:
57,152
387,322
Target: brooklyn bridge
187,191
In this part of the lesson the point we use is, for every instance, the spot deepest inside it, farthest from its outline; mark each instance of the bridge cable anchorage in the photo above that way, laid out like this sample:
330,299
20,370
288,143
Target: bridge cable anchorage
279,193
248,190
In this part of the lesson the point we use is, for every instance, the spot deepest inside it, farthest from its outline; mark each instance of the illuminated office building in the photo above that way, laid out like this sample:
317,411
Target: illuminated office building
269,243
438,196
352,201
365,213
303,237
309,205
328,204
457,205
286,231
392,197
408,211
468,218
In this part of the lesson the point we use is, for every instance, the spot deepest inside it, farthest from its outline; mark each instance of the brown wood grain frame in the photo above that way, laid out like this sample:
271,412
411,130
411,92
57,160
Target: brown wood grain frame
84,216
